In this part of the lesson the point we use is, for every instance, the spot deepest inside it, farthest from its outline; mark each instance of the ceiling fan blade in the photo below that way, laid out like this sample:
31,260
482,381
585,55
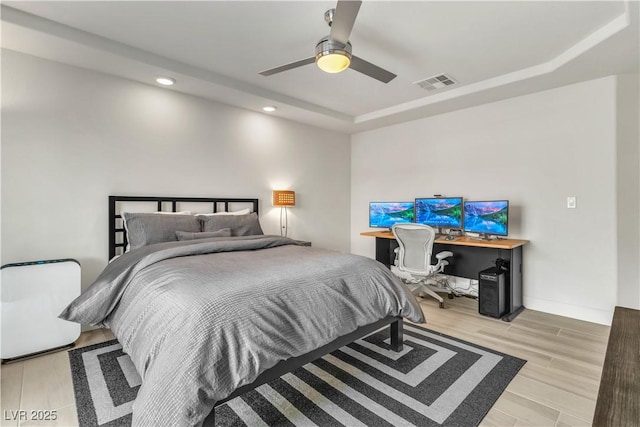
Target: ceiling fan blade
371,70
343,20
288,66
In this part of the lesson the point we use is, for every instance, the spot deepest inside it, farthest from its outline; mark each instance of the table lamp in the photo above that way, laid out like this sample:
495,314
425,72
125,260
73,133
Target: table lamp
284,199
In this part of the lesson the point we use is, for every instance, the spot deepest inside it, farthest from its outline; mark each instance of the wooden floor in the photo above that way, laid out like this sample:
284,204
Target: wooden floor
618,402
558,386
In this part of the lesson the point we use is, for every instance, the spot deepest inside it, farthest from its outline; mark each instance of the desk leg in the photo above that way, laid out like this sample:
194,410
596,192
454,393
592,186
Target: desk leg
510,316
384,250
514,302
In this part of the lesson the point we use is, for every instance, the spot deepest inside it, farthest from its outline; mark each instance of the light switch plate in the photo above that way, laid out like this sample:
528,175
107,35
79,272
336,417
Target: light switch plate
571,202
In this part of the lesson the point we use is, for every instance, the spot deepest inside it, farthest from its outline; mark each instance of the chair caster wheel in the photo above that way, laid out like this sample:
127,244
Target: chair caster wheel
442,304
450,296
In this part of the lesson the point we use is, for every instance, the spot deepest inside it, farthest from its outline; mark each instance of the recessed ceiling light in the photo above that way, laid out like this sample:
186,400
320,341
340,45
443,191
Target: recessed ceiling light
269,108
166,81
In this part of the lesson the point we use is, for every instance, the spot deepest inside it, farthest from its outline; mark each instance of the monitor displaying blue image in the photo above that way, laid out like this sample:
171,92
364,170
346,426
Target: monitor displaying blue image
488,217
386,214
444,212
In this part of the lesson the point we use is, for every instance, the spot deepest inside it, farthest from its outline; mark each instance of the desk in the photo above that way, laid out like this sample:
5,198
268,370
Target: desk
470,256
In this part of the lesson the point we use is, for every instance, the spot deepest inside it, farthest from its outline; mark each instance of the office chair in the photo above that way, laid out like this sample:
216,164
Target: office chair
413,258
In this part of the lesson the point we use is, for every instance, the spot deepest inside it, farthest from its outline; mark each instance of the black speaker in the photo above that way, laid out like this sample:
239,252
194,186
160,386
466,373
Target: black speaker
492,299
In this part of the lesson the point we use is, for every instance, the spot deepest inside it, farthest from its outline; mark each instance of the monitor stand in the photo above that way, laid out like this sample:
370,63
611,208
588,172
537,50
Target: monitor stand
480,236
451,232
485,236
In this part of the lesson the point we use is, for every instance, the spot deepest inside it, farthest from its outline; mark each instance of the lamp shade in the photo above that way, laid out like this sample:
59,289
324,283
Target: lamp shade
284,198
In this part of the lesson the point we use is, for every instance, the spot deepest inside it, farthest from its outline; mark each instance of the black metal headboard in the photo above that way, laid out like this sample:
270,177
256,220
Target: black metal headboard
114,215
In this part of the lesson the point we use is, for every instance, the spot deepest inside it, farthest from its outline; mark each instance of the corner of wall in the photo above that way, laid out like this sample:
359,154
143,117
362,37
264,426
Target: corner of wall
628,189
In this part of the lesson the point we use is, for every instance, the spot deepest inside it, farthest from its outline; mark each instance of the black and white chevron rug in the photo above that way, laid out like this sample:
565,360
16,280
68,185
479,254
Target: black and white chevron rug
436,380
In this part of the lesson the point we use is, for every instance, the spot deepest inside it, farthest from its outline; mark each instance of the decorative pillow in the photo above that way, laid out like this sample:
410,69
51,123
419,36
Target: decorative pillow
240,225
240,212
124,222
148,228
185,235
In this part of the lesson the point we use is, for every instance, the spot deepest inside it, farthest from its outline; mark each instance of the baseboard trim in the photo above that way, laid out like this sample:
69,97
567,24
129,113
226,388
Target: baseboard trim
603,317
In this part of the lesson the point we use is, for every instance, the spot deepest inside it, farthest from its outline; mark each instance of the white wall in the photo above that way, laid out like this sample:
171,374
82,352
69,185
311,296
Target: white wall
534,150
72,137
628,190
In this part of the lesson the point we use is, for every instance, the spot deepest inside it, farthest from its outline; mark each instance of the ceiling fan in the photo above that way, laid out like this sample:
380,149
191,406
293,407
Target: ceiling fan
333,52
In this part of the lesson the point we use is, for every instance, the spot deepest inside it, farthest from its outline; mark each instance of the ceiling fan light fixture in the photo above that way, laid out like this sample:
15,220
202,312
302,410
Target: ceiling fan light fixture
333,62
332,56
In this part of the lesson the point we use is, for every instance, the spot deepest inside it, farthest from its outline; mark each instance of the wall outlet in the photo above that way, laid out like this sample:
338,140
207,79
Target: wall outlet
571,202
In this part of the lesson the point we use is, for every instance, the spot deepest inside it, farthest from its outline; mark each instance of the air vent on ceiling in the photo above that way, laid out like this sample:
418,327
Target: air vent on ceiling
439,81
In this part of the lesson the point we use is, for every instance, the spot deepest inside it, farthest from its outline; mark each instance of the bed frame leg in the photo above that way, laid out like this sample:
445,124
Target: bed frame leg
396,335
210,420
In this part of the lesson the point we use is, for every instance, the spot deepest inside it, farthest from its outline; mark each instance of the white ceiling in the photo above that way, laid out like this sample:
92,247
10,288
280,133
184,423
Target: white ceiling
215,49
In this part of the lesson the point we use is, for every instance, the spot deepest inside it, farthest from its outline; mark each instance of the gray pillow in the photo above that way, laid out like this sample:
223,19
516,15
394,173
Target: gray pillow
185,235
148,228
240,225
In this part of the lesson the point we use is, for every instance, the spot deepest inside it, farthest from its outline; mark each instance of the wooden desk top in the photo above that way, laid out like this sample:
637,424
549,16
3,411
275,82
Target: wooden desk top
459,240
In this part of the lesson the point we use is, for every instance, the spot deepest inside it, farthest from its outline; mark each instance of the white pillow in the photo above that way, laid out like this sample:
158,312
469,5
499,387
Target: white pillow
240,212
173,213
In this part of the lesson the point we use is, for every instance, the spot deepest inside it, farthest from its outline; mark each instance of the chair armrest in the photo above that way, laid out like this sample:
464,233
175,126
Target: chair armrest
444,254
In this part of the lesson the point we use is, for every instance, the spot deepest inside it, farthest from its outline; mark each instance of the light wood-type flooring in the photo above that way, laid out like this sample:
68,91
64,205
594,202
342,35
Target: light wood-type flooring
558,386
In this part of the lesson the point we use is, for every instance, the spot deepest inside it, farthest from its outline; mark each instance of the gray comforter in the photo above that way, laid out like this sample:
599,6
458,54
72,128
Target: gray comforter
202,318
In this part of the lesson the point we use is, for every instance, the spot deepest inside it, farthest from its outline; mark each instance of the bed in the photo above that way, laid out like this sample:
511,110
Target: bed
207,319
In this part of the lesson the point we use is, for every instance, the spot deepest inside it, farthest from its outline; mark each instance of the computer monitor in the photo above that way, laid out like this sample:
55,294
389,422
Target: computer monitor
487,217
442,212
386,214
